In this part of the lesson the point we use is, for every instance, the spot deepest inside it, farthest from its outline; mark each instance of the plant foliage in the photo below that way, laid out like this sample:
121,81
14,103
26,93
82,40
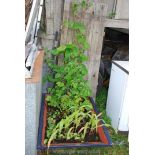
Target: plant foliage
70,93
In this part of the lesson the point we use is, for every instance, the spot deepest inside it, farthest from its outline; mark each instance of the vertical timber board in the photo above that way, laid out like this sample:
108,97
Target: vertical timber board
110,6
49,17
48,9
66,35
94,54
94,22
58,6
122,9
99,10
54,9
53,19
54,14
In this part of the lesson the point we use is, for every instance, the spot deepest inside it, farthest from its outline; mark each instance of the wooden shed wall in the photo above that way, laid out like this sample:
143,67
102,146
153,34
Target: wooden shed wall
59,10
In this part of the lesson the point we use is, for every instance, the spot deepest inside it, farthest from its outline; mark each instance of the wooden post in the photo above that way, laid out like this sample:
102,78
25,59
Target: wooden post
94,21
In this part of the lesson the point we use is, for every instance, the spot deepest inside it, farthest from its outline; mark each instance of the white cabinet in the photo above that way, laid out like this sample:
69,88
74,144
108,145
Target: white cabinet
117,101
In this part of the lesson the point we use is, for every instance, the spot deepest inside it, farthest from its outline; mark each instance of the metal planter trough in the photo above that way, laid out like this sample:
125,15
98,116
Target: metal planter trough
105,139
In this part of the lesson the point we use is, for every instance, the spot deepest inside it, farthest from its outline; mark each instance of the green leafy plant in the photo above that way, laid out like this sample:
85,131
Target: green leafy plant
71,91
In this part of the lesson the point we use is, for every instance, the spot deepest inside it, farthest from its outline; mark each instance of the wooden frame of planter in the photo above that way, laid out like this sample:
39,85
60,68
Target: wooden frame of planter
102,130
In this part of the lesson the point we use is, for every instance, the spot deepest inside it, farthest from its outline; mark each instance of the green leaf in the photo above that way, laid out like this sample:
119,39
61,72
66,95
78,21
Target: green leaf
61,125
54,52
45,141
86,45
48,98
69,133
82,30
48,133
60,84
83,4
61,48
57,75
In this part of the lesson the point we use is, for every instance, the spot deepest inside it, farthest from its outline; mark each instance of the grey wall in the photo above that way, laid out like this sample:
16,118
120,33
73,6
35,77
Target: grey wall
32,110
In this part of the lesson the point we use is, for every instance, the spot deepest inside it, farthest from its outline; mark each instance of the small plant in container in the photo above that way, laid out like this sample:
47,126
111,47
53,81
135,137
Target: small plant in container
69,115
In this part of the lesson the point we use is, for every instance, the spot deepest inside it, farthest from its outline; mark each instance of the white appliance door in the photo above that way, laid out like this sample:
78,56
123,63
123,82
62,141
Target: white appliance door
116,92
124,118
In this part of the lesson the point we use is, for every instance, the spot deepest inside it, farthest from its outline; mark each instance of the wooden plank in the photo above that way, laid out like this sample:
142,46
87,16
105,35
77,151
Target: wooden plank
48,5
93,19
96,13
65,33
58,14
122,9
117,23
94,53
50,26
110,5
54,14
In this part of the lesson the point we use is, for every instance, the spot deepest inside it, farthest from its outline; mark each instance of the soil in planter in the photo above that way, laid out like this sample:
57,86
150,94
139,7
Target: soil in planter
90,136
